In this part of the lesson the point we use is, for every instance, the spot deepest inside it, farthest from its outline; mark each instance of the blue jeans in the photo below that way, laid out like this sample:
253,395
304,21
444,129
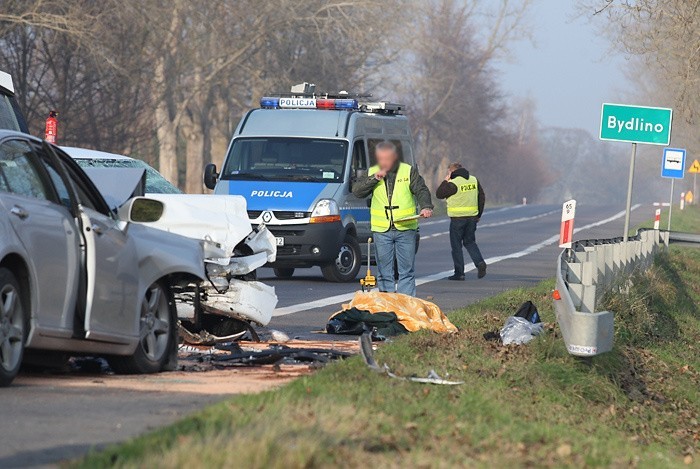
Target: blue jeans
463,233
402,246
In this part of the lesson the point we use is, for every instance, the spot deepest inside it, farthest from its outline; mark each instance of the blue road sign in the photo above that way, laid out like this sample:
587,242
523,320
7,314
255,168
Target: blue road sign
673,165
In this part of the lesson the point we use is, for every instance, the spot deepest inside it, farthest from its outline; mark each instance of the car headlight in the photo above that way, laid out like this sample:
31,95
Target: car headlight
325,211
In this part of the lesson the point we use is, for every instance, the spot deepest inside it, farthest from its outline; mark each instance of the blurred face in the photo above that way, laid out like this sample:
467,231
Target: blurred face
386,159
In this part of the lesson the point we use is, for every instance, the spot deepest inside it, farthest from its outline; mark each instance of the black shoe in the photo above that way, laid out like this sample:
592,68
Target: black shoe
482,269
455,277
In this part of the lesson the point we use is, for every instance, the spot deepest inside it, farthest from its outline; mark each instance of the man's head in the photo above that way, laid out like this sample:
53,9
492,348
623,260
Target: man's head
386,155
454,167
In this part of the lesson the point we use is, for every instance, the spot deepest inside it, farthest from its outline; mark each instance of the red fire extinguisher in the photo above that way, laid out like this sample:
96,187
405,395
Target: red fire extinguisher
51,134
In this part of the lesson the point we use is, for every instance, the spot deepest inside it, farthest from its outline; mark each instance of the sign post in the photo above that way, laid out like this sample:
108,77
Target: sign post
635,124
566,233
694,170
673,167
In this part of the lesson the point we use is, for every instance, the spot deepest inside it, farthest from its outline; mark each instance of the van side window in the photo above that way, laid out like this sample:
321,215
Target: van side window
359,157
372,144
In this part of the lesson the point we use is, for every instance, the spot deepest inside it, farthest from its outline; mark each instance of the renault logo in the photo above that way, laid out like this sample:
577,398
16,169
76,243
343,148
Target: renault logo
266,216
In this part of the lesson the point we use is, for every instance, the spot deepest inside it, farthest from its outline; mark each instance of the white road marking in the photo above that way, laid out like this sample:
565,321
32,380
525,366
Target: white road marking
498,223
488,213
332,300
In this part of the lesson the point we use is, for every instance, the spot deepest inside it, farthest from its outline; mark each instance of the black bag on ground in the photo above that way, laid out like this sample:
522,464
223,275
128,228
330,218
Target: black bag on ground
529,311
354,321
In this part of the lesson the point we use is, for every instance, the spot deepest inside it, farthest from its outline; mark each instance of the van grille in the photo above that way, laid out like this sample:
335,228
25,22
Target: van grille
253,214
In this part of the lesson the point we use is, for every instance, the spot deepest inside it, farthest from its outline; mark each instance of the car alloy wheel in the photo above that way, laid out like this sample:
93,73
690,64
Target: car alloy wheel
12,326
155,323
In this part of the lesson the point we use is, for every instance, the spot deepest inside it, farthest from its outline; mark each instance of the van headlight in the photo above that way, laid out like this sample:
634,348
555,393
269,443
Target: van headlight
325,211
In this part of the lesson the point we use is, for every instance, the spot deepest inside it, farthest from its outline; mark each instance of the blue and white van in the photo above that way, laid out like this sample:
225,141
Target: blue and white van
294,160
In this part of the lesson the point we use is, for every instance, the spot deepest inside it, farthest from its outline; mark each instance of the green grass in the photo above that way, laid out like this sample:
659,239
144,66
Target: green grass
531,405
686,221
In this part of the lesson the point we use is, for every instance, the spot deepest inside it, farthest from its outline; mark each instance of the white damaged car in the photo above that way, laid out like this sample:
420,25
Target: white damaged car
75,276
230,300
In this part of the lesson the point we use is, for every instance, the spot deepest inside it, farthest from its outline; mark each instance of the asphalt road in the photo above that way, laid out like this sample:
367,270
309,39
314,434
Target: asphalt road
42,422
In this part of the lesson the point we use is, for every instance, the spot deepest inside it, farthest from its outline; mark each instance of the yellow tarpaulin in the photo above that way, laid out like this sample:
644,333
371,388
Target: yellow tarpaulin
413,313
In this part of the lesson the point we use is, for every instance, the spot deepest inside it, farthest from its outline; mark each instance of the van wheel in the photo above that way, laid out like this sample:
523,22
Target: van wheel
13,330
346,264
284,272
158,326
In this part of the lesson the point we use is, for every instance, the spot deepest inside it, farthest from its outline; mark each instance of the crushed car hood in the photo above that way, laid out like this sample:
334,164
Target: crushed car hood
220,219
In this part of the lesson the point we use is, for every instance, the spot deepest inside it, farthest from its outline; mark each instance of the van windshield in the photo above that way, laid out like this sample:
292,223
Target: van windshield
286,159
8,118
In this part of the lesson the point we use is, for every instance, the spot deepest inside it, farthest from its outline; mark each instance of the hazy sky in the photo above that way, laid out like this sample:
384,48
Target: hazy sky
568,69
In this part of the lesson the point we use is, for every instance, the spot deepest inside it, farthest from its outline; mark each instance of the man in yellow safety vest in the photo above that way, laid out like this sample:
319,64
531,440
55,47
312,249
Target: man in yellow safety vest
396,188
465,205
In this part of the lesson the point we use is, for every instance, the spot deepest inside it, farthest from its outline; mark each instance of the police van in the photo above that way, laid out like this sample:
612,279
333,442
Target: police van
294,160
11,118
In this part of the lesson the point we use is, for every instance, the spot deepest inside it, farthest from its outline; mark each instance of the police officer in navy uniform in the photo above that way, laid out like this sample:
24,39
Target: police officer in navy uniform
465,205
396,188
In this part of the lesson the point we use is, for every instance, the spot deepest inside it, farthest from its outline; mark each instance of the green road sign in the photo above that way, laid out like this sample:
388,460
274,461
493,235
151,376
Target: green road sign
636,124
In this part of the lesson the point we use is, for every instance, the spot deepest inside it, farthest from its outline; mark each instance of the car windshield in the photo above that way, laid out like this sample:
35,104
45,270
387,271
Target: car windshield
286,159
155,183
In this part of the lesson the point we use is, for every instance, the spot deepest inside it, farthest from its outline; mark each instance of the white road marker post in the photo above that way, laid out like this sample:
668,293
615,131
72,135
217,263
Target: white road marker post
566,232
657,218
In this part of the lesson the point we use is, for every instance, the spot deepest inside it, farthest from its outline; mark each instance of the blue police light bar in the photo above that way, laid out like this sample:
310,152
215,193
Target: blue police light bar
268,102
346,104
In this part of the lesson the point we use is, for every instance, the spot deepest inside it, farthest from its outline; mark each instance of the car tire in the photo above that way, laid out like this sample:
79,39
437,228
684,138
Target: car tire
347,263
283,272
13,327
157,334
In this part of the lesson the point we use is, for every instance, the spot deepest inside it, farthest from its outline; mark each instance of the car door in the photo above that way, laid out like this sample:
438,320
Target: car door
47,230
112,303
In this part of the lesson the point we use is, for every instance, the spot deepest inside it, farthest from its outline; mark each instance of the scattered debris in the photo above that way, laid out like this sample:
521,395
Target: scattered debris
523,327
252,354
279,336
368,355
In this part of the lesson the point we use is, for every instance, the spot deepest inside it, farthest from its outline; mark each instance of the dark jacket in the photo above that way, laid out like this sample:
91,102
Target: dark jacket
448,189
363,187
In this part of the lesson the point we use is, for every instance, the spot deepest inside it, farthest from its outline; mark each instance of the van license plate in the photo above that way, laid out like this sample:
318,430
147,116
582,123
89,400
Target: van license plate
279,240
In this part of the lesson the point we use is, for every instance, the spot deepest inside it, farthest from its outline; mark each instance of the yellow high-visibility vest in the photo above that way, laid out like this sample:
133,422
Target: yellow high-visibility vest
402,204
465,203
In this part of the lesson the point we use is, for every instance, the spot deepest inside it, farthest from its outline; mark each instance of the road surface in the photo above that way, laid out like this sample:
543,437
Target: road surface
44,421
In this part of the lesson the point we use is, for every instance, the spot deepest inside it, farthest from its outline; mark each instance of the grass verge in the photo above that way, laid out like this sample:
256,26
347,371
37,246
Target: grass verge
530,405
685,221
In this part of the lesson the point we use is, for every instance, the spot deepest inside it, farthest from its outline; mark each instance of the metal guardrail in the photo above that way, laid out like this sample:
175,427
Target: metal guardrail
585,273
684,239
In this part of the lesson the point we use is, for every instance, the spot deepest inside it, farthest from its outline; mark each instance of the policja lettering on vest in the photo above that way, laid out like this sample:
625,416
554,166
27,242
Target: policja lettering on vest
465,203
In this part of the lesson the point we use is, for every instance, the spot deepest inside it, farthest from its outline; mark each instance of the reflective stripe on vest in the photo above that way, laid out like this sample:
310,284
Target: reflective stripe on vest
402,204
465,203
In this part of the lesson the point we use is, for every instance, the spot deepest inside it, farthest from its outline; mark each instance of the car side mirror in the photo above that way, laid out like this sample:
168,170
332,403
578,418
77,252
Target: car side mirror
142,210
210,176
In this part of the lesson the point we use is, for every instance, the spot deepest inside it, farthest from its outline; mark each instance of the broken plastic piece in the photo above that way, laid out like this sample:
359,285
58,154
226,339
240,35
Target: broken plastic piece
368,355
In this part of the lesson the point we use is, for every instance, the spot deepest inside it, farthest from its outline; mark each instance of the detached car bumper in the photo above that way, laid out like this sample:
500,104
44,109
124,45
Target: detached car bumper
308,244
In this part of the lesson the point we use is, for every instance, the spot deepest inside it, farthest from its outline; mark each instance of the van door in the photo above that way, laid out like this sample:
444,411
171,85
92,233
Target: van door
359,208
